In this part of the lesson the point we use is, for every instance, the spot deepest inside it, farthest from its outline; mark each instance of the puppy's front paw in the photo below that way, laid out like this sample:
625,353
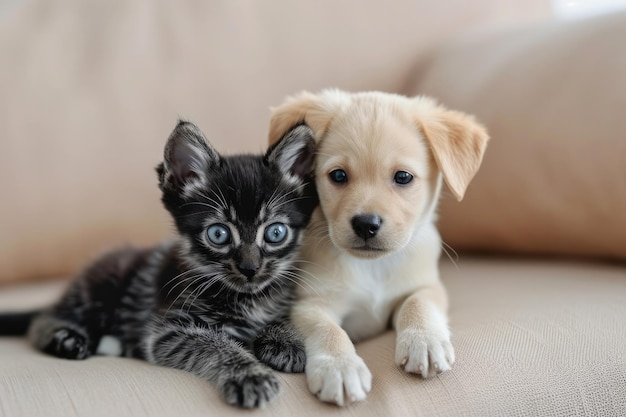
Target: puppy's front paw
338,379
256,387
424,352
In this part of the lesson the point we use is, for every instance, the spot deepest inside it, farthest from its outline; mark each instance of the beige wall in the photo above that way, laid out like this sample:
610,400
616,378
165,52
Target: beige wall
91,89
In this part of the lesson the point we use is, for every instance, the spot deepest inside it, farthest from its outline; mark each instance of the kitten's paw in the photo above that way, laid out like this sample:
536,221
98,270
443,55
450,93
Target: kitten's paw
341,380
423,352
68,344
284,353
257,388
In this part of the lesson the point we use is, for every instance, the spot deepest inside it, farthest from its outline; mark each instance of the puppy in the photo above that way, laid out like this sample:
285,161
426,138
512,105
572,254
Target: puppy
370,254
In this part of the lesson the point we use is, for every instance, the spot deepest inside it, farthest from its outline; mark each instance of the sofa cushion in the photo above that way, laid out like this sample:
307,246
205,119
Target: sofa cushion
553,180
532,338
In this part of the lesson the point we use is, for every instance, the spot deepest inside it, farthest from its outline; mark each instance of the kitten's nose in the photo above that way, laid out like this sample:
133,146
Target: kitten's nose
366,225
247,272
248,260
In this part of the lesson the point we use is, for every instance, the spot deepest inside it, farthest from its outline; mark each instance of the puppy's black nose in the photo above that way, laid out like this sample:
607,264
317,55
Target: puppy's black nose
366,225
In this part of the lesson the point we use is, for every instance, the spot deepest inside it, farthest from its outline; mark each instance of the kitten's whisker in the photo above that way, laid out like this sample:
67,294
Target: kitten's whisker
197,278
296,279
219,202
319,239
220,197
309,274
187,271
280,198
290,201
192,270
199,203
196,213
304,261
298,272
276,198
199,289
270,200
204,288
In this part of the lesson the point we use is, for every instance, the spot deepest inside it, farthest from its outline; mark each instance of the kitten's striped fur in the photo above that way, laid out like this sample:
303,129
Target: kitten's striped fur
218,311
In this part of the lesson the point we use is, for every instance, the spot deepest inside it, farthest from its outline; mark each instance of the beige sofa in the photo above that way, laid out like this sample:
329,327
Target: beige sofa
538,288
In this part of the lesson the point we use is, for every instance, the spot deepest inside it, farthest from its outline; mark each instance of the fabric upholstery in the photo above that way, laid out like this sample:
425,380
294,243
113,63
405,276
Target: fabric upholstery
532,338
91,90
553,180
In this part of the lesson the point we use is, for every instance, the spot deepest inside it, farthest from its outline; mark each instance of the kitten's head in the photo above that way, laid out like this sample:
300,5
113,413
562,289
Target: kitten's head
240,217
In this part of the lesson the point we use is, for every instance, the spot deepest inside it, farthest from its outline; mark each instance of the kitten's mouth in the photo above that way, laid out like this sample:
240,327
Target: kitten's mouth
249,285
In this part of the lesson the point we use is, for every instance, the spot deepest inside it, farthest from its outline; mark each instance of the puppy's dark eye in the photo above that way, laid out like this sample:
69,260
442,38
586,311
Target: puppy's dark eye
402,178
338,176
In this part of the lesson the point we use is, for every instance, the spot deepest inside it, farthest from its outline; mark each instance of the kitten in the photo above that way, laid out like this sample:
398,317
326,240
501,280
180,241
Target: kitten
215,301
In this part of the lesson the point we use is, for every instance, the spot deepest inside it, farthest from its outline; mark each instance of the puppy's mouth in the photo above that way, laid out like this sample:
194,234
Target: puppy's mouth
368,248
367,251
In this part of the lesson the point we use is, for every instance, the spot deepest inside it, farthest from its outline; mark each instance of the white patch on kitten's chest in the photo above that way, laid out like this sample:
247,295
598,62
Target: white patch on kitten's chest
109,346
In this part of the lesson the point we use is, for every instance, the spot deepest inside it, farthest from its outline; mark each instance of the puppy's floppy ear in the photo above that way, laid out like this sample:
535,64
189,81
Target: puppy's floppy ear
294,153
314,110
187,158
457,142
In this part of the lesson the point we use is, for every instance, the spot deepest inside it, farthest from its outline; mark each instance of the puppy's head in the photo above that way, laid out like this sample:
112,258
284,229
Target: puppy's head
380,160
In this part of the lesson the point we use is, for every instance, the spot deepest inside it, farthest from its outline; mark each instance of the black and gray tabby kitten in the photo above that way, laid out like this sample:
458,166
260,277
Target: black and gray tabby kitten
215,301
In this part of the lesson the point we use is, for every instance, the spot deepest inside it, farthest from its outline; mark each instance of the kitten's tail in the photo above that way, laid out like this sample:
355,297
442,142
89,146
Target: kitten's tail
16,324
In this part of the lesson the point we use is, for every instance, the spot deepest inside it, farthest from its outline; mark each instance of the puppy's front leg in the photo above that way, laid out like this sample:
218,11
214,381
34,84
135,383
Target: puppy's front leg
334,372
423,338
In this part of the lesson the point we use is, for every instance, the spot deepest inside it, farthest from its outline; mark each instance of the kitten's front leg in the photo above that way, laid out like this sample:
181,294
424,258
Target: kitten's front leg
280,346
215,357
61,337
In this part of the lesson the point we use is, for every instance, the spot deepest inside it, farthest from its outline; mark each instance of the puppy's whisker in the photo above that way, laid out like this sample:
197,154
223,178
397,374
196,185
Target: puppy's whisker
447,249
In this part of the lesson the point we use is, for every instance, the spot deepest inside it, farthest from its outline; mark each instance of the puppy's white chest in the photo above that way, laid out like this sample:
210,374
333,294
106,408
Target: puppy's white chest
371,301
365,320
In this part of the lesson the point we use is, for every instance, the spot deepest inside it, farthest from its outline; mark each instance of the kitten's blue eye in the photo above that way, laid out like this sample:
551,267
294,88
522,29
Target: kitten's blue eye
218,234
275,233
338,176
402,178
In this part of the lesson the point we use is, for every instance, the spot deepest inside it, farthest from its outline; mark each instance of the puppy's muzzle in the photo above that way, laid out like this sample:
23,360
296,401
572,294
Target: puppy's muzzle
366,226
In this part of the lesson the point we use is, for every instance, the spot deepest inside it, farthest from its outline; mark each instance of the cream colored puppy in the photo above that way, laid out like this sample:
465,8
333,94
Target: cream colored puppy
370,255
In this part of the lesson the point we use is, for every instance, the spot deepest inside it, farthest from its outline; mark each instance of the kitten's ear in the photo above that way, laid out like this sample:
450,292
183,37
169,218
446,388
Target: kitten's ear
187,157
294,153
